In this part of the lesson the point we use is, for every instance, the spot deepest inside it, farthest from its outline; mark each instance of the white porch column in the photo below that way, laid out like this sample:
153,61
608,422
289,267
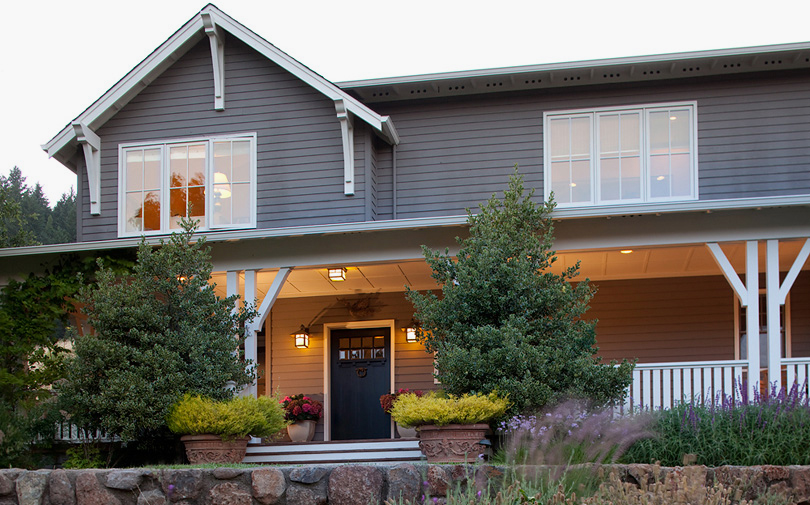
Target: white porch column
251,349
776,296
748,295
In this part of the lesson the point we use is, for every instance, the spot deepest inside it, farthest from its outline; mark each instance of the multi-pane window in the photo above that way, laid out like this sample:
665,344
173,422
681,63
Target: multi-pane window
361,348
210,180
621,155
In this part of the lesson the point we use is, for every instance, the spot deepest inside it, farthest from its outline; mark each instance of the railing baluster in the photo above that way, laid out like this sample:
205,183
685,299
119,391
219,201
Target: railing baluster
667,400
656,388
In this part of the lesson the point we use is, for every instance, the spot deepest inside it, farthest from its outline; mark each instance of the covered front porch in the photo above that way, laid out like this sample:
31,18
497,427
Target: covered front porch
678,304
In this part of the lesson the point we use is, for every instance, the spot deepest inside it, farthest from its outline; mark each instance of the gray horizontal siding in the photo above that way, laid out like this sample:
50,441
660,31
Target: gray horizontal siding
753,138
299,151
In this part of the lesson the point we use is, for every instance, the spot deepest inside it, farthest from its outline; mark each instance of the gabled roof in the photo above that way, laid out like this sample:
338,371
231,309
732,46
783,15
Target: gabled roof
171,50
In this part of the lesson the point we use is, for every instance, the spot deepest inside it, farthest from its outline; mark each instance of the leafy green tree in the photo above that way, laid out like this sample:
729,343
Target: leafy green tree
505,322
33,314
158,334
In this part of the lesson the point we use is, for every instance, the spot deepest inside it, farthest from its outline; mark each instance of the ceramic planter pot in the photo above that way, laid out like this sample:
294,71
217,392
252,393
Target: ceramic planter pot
301,431
406,432
212,449
453,443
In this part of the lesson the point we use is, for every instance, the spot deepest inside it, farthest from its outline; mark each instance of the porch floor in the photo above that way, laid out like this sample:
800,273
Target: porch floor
340,451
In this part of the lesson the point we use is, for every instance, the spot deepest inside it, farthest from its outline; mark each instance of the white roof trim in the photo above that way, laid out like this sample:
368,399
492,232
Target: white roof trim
574,65
423,222
153,65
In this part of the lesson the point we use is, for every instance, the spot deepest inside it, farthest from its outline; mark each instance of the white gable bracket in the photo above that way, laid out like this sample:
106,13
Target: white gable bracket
269,298
217,39
790,278
728,272
347,133
91,144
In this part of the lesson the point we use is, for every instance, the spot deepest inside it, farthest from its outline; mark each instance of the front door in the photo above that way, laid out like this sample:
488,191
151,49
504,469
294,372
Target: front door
361,373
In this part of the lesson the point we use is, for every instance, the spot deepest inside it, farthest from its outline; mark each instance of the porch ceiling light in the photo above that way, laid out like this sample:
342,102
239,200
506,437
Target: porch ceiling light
301,338
337,274
626,251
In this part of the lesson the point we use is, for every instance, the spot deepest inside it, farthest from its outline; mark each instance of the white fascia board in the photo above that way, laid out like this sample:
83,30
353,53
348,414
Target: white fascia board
132,83
577,65
299,70
416,223
153,65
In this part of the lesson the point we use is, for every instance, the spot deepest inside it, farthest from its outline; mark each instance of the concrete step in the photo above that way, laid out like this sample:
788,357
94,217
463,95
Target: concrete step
343,451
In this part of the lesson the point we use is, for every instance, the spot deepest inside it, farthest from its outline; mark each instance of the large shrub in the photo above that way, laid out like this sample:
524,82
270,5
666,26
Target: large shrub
158,333
505,322
769,429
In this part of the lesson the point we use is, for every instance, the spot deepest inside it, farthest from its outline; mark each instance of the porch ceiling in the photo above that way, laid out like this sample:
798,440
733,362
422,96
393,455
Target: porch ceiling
681,261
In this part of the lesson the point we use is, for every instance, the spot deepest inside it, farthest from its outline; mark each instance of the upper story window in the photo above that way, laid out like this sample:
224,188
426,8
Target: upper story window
621,155
212,180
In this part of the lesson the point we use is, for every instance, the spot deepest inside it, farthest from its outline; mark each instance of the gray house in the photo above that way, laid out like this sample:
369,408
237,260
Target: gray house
683,184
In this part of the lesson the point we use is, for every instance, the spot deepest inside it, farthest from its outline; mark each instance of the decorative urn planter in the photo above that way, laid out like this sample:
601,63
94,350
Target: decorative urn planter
212,449
405,432
301,431
453,443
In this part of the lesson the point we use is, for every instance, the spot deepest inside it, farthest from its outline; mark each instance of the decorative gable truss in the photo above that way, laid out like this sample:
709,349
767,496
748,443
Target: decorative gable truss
211,23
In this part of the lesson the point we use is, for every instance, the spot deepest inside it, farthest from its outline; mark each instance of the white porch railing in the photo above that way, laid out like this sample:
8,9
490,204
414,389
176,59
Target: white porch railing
70,433
797,371
663,385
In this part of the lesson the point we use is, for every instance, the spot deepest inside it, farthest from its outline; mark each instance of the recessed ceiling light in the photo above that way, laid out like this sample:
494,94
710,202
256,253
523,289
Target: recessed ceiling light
337,274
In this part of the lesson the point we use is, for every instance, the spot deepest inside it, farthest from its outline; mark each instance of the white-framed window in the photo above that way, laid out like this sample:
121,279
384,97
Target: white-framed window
621,155
211,179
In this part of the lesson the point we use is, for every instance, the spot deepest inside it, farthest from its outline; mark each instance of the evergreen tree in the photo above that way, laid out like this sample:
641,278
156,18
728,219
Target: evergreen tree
61,224
158,334
506,323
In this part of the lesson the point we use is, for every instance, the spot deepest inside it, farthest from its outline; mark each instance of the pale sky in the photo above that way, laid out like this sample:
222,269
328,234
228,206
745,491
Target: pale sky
60,56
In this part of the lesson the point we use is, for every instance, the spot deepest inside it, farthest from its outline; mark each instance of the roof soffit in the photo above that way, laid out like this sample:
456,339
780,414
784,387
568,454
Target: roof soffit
104,108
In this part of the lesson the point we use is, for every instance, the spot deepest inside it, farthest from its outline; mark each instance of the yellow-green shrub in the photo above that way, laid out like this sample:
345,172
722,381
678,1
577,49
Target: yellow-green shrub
411,410
236,418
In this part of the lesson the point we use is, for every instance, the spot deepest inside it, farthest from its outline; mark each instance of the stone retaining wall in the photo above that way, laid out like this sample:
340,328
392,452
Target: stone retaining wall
336,485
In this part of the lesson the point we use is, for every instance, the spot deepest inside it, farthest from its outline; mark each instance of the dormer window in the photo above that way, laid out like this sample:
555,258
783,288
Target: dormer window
212,180
621,155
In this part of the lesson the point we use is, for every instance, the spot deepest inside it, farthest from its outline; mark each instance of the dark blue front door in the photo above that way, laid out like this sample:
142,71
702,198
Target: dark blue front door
361,373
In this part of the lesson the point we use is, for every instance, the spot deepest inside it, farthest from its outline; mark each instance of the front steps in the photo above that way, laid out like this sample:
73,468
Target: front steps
343,451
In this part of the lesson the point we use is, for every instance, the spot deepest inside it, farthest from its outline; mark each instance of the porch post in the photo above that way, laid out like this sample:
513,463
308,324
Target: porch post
752,313
231,289
776,296
772,308
251,350
748,295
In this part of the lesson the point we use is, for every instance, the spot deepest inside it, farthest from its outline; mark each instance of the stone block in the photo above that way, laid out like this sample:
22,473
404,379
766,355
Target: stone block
229,493
182,484
404,483
152,497
31,487
306,495
353,485
89,491
60,489
268,485
308,474
124,479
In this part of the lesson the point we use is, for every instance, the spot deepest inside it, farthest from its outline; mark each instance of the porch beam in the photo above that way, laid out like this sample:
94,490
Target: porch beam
790,278
748,295
270,298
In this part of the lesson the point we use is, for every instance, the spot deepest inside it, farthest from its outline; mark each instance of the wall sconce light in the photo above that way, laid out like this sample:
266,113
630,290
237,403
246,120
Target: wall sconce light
410,335
301,338
337,274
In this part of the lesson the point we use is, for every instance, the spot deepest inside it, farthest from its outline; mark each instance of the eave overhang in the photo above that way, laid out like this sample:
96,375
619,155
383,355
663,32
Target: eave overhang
63,146
582,73
708,206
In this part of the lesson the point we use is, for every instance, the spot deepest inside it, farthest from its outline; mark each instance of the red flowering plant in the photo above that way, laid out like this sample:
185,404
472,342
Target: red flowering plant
301,408
387,400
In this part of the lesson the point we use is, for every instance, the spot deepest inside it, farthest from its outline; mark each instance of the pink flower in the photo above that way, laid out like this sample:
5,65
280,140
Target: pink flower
306,398
307,408
296,410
